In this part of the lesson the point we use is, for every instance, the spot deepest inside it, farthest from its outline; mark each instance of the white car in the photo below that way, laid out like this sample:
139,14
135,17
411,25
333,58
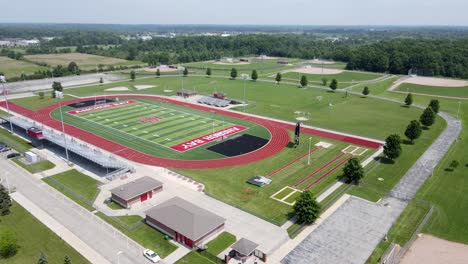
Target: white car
151,255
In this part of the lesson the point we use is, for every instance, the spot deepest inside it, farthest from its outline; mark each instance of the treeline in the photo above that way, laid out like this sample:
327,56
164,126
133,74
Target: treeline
423,57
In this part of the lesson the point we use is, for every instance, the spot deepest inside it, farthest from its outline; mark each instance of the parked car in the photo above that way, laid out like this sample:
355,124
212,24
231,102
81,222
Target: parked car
4,149
151,255
13,155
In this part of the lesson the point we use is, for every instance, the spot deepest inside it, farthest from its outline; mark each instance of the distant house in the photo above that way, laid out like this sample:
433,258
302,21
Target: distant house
138,190
185,222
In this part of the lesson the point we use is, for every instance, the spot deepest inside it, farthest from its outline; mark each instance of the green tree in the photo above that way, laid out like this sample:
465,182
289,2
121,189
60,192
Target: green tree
158,73
278,77
185,72
434,104
254,75
366,91
56,86
132,76
41,95
67,260
101,80
353,170
409,99
304,81
208,72
392,147
334,84
324,81
5,201
307,208
428,117
8,243
413,130
73,68
233,73
42,259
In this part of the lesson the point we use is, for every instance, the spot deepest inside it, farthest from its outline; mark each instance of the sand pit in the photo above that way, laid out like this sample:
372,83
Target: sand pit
116,89
317,70
432,250
142,87
301,118
161,69
232,63
431,81
317,61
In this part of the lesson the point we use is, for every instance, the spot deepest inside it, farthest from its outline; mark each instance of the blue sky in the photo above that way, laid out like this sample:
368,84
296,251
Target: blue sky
285,12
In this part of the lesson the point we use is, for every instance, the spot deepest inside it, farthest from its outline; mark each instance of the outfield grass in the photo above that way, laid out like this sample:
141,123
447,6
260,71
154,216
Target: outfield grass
346,77
194,258
402,229
34,238
14,142
220,243
77,186
144,235
39,166
434,90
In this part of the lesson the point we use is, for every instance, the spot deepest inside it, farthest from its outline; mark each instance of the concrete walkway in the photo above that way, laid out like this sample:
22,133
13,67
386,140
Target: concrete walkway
65,234
176,255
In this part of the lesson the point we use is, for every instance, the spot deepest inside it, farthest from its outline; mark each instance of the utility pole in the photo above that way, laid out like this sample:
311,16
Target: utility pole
3,81
458,111
59,96
245,77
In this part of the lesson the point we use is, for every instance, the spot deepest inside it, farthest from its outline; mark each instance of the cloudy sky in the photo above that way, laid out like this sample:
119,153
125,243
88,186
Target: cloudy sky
283,12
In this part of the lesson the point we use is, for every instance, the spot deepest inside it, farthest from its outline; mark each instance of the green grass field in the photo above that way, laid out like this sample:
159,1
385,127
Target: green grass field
194,258
34,238
39,166
35,103
220,243
345,78
13,141
13,68
434,90
177,124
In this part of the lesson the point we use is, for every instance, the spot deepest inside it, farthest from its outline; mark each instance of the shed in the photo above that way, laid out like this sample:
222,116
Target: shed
135,191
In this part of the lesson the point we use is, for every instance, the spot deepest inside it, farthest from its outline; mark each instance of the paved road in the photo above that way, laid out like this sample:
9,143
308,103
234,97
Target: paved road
351,234
84,225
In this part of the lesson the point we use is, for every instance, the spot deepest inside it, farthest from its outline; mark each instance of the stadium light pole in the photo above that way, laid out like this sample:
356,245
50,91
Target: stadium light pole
245,77
310,143
59,96
3,81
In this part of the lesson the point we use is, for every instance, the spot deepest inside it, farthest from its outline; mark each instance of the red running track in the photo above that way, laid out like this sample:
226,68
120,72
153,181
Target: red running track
318,170
290,163
278,130
327,173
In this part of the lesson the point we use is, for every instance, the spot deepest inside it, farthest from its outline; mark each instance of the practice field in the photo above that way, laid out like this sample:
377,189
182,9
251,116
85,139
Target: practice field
84,61
13,68
161,129
344,77
434,90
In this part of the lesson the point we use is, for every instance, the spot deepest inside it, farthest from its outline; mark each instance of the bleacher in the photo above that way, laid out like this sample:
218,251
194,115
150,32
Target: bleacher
213,101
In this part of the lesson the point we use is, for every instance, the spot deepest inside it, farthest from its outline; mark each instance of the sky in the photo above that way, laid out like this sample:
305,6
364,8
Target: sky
263,12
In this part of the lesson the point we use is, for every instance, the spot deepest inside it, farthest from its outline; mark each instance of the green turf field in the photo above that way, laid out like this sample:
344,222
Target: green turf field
434,90
347,77
124,124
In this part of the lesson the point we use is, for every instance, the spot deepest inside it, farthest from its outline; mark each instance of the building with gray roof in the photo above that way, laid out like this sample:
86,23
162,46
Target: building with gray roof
138,190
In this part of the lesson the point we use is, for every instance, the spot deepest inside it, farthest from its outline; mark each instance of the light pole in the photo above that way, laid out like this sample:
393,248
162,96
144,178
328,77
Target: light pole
118,256
59,96
3,81
7,182
310,143
244,77
458,111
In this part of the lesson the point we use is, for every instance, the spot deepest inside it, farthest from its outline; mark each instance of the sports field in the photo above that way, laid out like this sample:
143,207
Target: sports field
434,90
344,77
160,129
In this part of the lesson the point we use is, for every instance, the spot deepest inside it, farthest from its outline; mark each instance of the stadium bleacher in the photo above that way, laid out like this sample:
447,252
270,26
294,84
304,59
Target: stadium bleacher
213,101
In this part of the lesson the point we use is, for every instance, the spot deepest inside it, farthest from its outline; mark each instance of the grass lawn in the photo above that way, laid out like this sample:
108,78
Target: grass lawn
344,77
293,230
39,166
11,67
402,229
14,142
145,235
35,103
293,197
114,206
283,193
77,186
220,243
194,258
434,90
34,238
130,219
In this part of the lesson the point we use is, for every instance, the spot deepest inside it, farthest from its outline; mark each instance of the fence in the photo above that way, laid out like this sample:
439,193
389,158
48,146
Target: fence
64,189
211,257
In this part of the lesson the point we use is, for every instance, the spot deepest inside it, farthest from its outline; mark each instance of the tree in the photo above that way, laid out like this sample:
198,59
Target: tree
56,87
185,72
413,130
353,170
278,77
8,243
233,73
324,81
73,68
304,81
41,95
434,104
67,260
42,259
208,72
366,91
158,73
409,99
5,201
392,147
101,80
132,76
307,208
334,84
428,117
254,75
